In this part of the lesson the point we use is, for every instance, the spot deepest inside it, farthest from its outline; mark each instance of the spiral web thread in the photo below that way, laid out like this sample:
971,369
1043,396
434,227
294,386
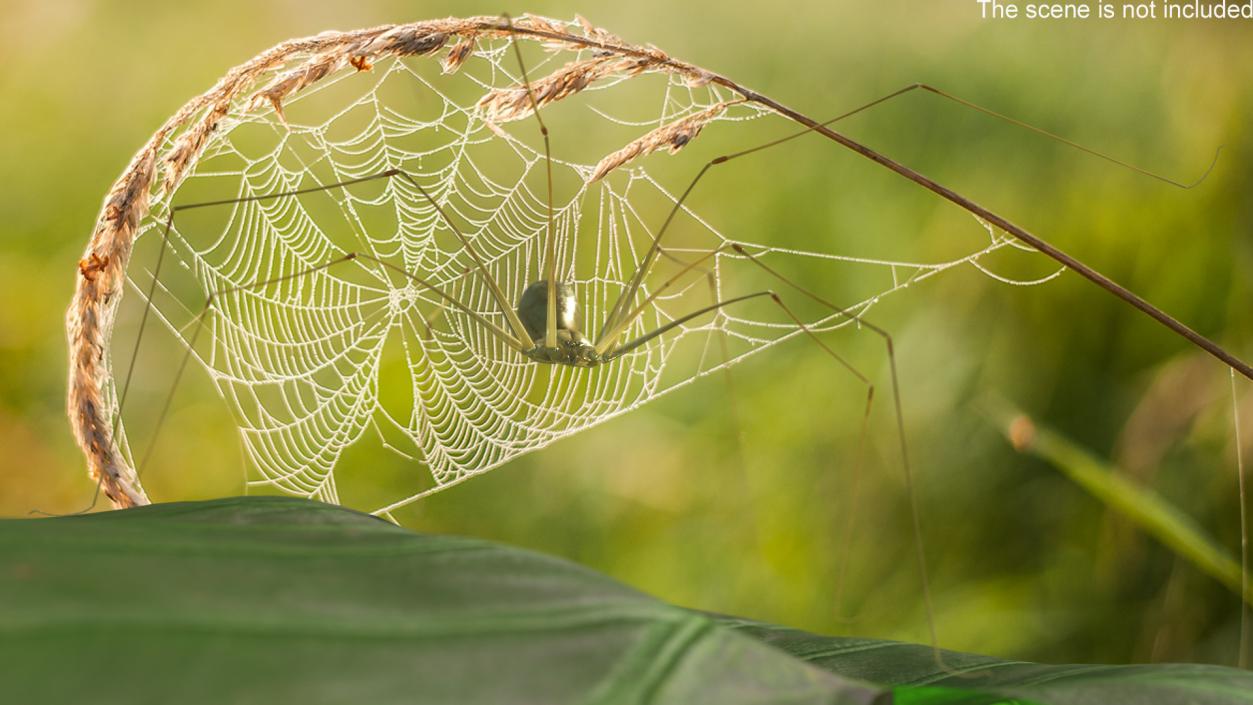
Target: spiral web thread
299,361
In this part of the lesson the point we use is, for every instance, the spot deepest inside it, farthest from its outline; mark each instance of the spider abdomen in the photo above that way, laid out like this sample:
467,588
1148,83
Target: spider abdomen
533,309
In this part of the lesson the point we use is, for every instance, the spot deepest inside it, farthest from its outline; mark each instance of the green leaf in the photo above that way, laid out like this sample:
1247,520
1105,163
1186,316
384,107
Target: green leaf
274,600
969,678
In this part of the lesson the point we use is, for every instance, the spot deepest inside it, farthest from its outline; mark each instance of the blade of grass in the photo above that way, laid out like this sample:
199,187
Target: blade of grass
1141,505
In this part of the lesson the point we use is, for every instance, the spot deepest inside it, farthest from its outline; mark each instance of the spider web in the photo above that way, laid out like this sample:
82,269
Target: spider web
305,355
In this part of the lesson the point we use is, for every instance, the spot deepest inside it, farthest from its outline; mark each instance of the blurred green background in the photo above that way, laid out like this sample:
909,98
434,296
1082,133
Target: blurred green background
745,512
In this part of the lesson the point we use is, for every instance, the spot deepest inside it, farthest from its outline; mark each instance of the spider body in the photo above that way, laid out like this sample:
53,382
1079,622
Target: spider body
573,348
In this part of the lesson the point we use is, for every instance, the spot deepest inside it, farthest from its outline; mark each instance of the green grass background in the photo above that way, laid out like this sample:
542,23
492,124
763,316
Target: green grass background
742,513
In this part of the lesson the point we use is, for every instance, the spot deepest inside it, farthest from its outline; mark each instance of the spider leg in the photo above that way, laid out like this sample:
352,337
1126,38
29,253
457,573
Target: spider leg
711,281
550,244
519,330
957,199
991,113
496,330
617,312
95,497
618,318
428,324
642,269
1136,301
609,335
143,325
